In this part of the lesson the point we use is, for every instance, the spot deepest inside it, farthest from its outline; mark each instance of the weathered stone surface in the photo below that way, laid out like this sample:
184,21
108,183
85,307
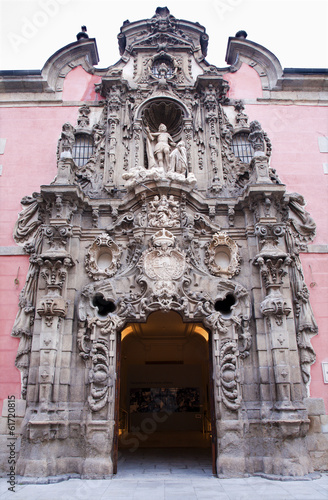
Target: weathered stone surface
315,406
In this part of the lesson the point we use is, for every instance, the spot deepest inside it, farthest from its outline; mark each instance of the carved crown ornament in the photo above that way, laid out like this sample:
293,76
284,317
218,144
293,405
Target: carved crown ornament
222,256
103,258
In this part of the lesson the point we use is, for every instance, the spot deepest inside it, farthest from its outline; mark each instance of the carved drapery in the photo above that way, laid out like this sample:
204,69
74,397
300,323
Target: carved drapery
27,230
300,231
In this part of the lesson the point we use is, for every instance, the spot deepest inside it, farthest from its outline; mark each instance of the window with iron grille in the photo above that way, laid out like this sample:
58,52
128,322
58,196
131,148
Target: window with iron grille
82,149
241,147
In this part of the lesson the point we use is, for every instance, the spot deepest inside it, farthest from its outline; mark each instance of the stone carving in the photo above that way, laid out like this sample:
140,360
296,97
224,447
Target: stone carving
24,322
83,120
302,226
28,232
28,219
96,342
52,308
57,236
178,163
222,256
159,146
241,117
139,175
163,261
273,263
229,375
256,137
103,258
301,230
163,212
67,141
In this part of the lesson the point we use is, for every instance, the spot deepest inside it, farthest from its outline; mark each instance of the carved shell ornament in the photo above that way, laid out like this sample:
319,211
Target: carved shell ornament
222,256
103,258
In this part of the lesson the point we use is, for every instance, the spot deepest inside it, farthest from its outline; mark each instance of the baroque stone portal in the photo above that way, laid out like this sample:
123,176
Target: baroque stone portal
162,216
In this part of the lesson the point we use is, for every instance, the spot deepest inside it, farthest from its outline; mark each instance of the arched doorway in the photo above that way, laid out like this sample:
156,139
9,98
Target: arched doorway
165,395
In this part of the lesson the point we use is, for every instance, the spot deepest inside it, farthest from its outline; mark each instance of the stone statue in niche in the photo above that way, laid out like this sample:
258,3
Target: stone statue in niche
166,160
159,147
178,159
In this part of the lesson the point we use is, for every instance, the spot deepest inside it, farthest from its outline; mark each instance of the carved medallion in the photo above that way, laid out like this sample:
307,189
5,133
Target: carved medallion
102,259
222,257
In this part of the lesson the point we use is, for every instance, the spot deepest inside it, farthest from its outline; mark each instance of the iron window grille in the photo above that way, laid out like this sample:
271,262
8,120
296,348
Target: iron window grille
241,147
82,149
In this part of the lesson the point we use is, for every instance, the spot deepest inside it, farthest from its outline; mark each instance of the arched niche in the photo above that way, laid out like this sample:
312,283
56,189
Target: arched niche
157,110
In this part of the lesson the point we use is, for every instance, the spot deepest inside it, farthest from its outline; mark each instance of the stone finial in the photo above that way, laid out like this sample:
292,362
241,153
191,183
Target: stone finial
241,34
82,34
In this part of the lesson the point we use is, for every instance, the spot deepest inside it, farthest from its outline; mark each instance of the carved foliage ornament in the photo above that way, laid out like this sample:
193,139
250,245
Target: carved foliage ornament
222,257
103,258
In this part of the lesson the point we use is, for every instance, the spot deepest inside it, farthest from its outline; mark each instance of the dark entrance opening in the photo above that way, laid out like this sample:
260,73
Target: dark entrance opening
165,394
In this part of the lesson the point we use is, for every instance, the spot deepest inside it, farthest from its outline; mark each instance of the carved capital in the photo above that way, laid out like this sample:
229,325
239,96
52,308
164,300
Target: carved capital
269,234
54,271
50,306
57,236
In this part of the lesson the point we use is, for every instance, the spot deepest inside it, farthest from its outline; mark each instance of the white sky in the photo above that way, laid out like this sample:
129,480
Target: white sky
294,30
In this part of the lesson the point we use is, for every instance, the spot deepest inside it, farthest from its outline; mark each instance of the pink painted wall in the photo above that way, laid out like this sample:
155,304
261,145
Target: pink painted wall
244,83
80,86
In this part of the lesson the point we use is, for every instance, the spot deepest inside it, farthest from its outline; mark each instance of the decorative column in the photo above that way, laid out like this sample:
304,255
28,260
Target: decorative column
114,104
52,308
137,136
211,117
272,262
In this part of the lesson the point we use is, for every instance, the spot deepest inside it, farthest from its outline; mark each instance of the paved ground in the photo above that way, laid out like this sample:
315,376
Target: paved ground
158,476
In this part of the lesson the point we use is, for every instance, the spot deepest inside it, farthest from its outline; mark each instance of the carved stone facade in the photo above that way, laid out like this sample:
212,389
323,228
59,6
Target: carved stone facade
162,216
